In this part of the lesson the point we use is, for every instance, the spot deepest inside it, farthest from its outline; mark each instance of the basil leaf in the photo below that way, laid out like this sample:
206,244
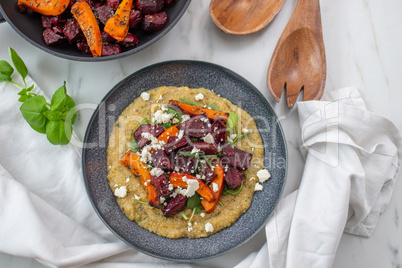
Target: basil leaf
23,98
227,190
4,77
33,112
167,125
59,99
232,121
187,101
194,201
59,132
145,121
72,110
134,146
5,68
18,63
54,115
213,106
176,114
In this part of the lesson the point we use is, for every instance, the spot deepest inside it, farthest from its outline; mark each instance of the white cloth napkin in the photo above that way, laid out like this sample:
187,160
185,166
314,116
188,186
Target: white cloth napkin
351,166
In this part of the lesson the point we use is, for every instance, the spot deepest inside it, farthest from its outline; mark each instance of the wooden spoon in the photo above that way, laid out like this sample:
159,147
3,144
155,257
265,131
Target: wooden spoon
240,17
299,60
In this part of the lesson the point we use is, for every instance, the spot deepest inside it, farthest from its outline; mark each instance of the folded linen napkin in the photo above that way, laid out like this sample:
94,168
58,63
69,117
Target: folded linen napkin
352,159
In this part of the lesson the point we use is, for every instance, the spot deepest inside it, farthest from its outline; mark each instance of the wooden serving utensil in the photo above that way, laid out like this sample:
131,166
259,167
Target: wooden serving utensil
299,60
241,17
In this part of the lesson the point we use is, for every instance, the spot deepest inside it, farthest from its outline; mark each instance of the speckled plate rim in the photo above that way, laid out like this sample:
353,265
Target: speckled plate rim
104,202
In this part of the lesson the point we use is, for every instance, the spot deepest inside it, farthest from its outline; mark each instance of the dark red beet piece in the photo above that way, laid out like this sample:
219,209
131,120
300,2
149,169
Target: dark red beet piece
110,49
72,30
233,178
174,143
135,18
130,40
58,30
162,160
52,38
149,6
218,132
155,130
206,173
197,126
154,22
103,13
49,21
174,205
83,46
207,148
235,157
112,3
107,38
170,3
161,184
185,163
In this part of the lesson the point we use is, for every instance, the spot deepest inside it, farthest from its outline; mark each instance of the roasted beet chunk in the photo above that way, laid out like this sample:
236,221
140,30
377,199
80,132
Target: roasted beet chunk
52,38
110,49
103,13
185,163
206,173
170,3
154,130
233,178
197,126
149,6
112,3
218,132
162,160
49,21
161,184
154,22
235,157
72,30
174,205
135,18
130,41
207,148
174,143
107,38
83,46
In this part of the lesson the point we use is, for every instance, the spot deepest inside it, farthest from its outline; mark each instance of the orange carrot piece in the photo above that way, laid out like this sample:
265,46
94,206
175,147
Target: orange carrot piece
44,7
82,12
210,206
133,162
172,131
117,26
177,180
195,110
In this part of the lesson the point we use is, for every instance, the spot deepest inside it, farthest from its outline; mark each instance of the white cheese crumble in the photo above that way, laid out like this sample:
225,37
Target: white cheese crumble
185,117
209,227
145,96
245,130
192,186
199,96
208,138
233,136
180,135
215,187
121,191
137,197
195,150
202,214
156,172
128,179
263,175
258,187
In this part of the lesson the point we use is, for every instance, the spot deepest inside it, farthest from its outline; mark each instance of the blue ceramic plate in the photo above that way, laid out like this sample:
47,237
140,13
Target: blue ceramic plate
192,74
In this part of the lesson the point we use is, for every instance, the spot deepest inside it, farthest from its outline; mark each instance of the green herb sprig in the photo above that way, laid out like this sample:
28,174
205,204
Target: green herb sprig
55,119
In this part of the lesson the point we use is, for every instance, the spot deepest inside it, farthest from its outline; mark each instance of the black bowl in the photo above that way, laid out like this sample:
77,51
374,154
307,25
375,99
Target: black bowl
29,26
192,74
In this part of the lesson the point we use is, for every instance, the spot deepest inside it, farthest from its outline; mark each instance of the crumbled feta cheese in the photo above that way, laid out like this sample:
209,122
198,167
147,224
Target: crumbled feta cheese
185,117
209,227
146,154
164,108
252,178
145,96
156,172
192,186
252,149
170,187
202,214
190,227
208,138
128,179
162,200
175,121
180,135
137,197
199,96
121,191
263,175
215,187
160,97
233,136
184,178
245,130
166,118
195,150
204,119
258,187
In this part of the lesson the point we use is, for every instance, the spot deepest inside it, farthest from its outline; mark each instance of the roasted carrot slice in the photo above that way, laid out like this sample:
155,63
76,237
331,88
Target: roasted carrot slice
172,131
133,162
195,110
82,12
210,206
177,180
117,26
45,7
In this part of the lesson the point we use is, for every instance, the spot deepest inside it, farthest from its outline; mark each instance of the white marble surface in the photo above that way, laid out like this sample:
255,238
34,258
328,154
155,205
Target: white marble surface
362,40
